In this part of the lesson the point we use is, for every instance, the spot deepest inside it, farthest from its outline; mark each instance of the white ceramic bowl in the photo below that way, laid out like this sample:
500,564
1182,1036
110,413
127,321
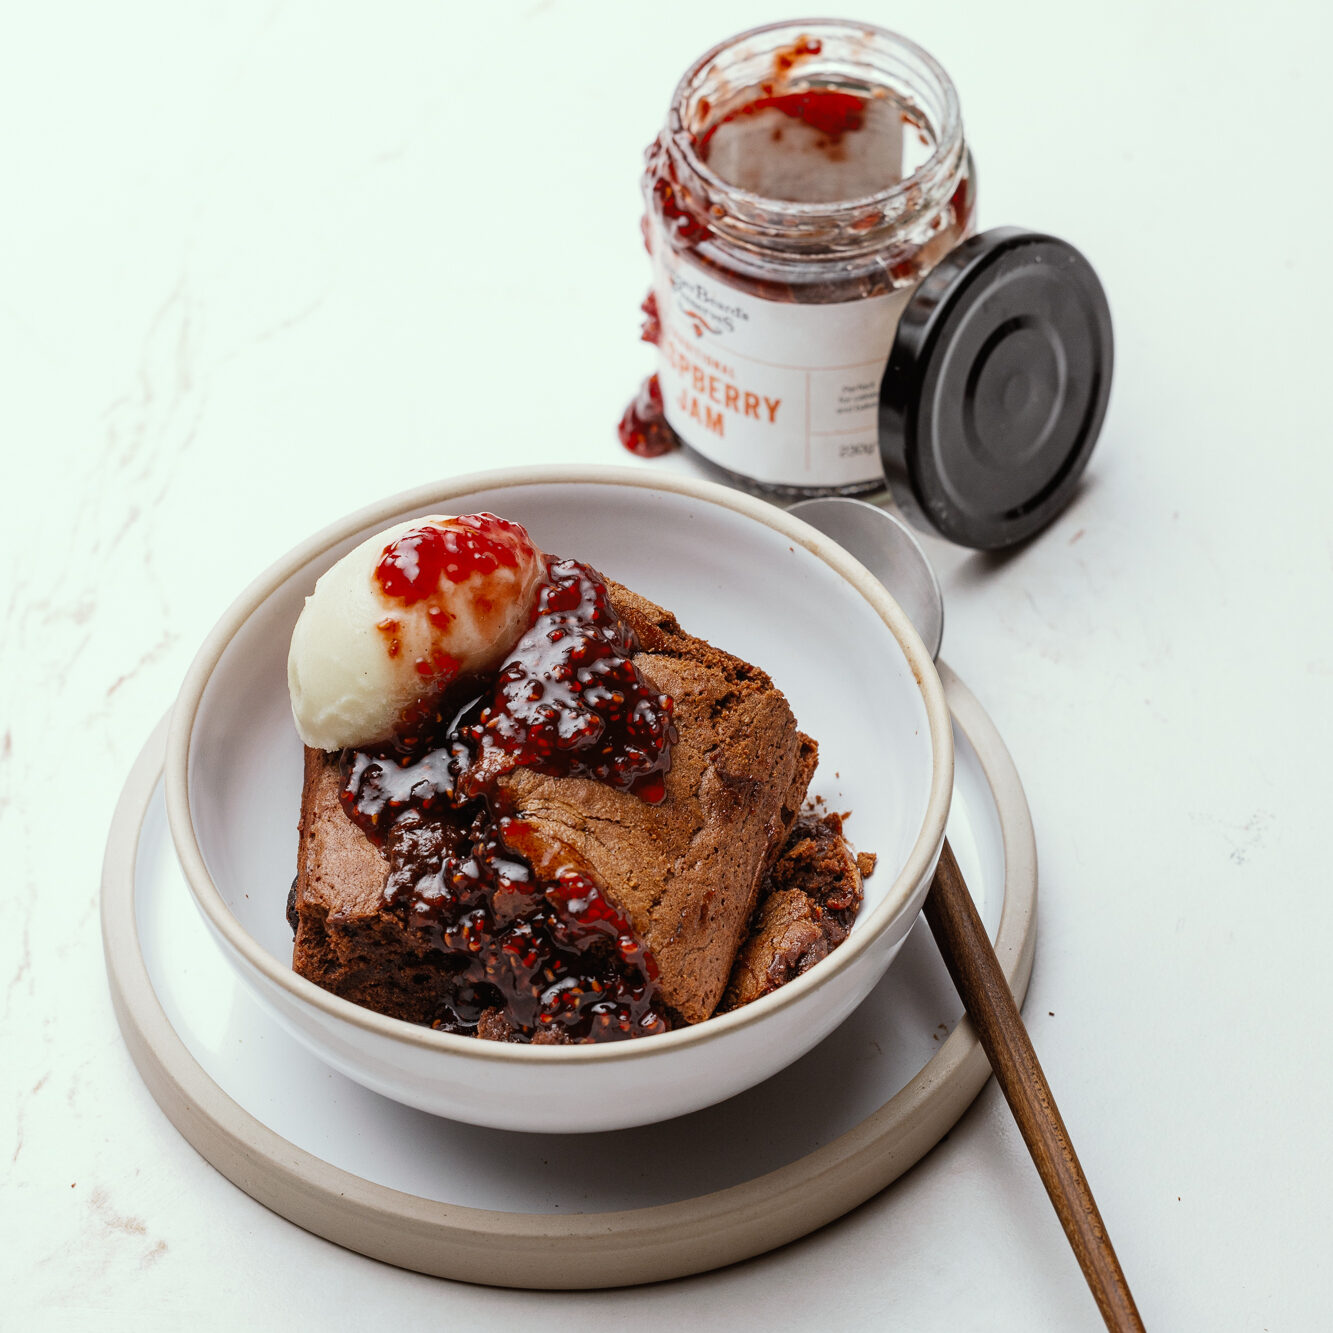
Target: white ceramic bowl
737,571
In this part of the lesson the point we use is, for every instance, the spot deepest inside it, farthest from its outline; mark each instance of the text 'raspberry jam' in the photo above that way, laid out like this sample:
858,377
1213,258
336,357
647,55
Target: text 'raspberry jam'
528,958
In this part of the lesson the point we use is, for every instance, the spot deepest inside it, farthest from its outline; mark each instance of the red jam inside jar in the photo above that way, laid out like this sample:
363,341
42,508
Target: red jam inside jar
808,177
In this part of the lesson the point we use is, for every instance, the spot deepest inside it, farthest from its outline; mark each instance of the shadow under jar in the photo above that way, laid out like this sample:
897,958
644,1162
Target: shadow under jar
809,176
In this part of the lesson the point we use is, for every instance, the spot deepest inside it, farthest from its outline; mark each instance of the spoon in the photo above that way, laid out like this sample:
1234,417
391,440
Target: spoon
884,544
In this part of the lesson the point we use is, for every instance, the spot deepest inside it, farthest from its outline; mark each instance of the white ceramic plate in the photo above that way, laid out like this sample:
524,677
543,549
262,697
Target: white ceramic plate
547,1211
737,571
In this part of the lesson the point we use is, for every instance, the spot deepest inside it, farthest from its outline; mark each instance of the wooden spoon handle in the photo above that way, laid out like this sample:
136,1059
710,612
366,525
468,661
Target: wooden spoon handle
971,961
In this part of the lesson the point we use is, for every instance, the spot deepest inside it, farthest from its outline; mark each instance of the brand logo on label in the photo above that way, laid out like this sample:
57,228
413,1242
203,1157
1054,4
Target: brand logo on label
715,317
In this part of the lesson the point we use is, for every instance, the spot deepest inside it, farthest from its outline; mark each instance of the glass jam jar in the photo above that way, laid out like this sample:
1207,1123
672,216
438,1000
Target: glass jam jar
809,176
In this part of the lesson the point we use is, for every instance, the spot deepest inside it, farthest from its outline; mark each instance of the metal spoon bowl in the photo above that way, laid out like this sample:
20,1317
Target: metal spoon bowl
887,547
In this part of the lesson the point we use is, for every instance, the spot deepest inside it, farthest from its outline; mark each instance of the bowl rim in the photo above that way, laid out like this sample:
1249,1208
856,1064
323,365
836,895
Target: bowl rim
911,876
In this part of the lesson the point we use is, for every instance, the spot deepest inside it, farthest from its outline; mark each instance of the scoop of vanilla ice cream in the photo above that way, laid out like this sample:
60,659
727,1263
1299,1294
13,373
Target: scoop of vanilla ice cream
399,617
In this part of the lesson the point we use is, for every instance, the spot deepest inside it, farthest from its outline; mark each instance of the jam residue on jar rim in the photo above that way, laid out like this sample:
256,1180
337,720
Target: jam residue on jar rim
549,952
790,62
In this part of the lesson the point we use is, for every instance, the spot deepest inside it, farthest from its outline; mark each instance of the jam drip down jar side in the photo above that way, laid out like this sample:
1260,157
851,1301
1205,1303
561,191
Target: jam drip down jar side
808,177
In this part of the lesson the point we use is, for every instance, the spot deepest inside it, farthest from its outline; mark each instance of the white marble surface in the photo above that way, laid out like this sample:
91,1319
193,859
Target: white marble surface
262,262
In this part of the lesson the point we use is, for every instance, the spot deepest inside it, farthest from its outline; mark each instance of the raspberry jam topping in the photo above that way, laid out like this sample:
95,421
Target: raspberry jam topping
570,701
411,568
551,955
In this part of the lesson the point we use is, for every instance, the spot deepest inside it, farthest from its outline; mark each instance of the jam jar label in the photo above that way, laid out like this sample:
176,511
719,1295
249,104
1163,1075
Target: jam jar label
782,392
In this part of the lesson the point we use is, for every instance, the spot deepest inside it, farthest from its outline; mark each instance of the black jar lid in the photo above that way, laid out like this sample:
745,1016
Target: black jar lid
996,388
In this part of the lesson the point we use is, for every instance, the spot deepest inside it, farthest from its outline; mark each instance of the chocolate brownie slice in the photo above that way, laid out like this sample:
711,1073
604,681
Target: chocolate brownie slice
685,873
